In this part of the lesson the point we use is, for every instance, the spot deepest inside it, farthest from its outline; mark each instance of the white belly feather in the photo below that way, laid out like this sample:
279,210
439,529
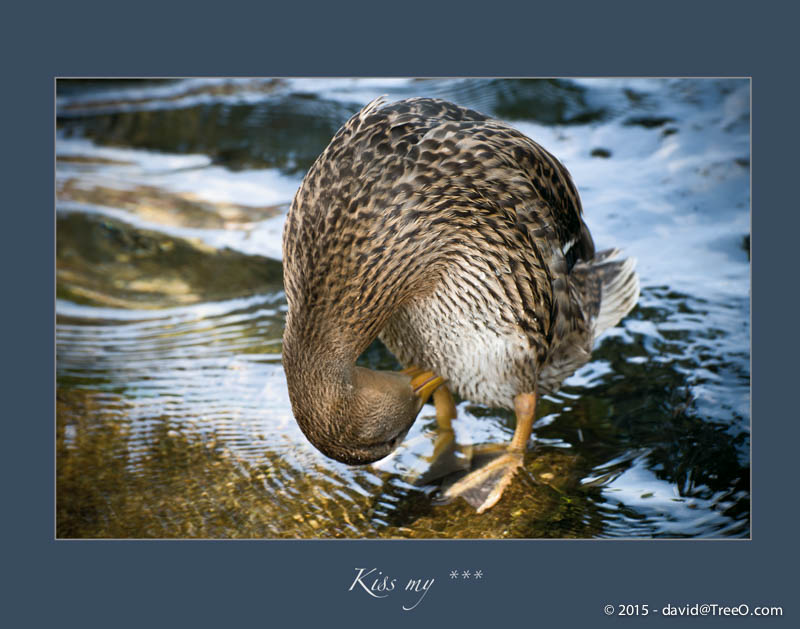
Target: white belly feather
484,358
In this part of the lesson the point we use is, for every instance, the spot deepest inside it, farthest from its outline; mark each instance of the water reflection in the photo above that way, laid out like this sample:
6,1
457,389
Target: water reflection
173,417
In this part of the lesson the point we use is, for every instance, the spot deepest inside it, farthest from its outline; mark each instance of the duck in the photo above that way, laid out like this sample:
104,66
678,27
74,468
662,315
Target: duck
460,243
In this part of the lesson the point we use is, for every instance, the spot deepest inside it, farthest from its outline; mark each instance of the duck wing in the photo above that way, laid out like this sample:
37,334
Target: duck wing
605,289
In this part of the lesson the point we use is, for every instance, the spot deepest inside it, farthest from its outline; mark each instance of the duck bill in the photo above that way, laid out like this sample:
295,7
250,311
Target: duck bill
424,383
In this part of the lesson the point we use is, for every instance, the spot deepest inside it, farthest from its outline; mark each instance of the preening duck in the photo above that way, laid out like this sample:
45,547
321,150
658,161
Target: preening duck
460,243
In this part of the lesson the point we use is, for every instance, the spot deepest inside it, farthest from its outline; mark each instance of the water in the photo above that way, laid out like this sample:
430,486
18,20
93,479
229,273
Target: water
173,418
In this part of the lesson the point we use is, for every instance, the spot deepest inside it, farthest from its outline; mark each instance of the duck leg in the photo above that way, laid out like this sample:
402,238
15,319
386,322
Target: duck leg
483,487
445,414
447,456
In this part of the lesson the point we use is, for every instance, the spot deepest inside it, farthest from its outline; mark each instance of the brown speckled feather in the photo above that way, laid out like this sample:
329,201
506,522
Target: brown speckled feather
457,239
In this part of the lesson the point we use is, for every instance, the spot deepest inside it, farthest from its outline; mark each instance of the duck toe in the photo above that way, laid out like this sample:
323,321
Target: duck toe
484,486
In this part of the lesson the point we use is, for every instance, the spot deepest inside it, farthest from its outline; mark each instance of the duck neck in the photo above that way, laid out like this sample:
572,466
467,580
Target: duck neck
351,414
319,376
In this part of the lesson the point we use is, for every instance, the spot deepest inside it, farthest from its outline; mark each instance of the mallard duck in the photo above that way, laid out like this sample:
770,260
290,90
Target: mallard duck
460,243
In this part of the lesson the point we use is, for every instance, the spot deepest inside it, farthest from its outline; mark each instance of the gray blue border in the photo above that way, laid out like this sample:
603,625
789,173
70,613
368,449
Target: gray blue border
184,583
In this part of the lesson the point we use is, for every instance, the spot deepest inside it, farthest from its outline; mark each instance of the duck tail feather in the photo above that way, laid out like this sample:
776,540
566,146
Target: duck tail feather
619,288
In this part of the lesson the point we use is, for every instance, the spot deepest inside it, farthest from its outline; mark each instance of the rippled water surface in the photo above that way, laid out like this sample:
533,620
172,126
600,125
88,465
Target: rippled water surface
173,418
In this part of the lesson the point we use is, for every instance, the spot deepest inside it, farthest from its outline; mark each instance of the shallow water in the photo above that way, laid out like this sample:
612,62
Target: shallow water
173,417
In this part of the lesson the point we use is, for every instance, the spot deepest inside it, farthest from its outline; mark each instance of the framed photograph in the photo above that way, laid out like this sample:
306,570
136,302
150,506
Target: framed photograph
451,318
584,242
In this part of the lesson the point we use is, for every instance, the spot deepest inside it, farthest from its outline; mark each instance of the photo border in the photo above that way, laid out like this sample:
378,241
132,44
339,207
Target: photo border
213,583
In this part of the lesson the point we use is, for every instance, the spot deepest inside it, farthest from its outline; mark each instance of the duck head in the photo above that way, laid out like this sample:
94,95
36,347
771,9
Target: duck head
356,415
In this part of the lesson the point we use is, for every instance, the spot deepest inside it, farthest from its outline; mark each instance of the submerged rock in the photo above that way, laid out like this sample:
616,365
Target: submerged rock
107,262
